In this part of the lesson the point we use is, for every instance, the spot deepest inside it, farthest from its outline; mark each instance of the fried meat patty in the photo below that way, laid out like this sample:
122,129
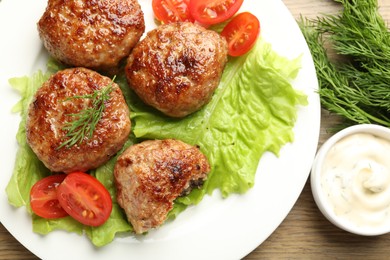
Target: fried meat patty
51,109
91,33
150,175
177,67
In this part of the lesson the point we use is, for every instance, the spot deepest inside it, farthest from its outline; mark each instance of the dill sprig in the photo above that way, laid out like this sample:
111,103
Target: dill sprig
358,85
86,120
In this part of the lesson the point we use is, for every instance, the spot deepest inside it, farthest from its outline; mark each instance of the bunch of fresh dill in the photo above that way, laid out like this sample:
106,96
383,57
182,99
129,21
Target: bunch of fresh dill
357,86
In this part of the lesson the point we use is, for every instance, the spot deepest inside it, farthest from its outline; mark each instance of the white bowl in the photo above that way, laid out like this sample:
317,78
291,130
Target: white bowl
321,198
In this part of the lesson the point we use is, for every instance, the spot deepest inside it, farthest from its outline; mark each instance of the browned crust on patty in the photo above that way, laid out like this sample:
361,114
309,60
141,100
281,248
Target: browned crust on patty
177,67
91,33
150,175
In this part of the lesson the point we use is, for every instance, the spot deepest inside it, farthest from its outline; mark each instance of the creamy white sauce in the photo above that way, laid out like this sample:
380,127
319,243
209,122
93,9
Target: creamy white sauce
356,179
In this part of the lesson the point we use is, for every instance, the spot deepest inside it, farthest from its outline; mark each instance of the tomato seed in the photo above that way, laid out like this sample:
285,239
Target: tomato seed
211,13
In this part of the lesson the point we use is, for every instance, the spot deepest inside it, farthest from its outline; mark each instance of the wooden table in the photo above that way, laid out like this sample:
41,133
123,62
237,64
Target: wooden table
305,233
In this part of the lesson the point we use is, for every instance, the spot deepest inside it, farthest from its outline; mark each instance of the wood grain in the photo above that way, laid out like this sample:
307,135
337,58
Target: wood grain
305,233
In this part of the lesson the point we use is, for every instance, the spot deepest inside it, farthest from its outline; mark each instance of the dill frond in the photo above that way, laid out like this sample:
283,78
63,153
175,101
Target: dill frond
85,122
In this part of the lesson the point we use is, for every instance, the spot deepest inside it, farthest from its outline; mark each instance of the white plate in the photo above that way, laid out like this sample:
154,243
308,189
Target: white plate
216,228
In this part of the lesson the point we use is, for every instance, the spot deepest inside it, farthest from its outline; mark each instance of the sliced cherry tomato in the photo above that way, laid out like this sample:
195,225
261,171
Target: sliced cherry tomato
168,11
213,11
241,33
85,199
43,197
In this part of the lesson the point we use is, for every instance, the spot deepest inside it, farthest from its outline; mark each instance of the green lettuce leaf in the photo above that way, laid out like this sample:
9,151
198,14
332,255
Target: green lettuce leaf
44,226
28,169
253,111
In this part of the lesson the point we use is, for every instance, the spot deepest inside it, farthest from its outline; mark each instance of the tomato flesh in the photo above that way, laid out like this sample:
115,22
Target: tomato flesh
213,11
43,197
169,11
241,33
85,199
